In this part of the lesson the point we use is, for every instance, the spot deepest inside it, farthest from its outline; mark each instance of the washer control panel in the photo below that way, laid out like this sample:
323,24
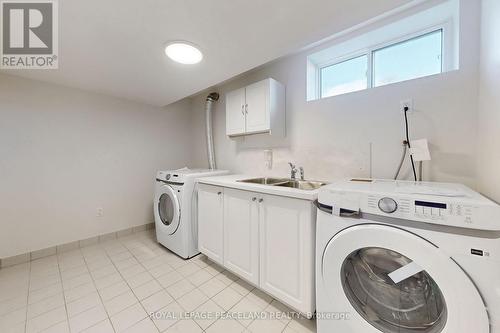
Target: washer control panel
427,211
171,177
429,202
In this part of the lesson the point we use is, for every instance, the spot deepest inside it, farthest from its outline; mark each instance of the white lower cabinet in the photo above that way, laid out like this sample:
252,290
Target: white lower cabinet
210,222
267,240
241,232
286,242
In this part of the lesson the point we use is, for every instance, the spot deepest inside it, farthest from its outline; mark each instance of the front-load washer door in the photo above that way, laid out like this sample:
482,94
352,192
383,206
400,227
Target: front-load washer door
167,210
385,279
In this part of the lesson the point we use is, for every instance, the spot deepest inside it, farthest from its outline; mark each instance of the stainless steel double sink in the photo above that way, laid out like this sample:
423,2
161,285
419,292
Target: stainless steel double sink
286,182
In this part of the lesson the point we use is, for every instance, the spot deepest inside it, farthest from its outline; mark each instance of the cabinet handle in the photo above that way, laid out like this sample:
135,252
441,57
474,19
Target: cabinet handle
219,193
260,200
242,109
246,108
254,198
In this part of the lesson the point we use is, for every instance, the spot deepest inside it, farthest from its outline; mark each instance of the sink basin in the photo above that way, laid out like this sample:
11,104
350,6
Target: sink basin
302,184
265,181
284,182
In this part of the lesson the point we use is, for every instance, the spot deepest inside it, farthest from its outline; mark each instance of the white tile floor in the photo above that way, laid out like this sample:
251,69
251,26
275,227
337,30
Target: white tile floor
114,286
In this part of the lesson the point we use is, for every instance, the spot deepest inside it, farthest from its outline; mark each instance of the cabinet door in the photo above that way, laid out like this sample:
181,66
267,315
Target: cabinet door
258,111
241,222
210,221
286,231
235,112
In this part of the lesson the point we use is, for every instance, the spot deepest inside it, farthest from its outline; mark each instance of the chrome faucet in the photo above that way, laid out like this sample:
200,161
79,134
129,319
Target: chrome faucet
293,171
301,170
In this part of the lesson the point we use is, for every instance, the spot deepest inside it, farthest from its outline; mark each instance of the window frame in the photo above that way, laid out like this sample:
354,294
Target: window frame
340,60
446,55
415,36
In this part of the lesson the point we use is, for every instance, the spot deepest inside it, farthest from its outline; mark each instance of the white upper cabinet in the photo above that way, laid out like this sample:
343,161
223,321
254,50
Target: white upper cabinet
235,112
257,108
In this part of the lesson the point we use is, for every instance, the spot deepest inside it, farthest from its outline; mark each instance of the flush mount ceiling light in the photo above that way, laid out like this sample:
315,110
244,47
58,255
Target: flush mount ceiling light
183,52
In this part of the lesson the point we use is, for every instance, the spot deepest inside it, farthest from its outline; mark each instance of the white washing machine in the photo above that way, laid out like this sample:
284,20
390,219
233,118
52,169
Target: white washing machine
406,257
175,209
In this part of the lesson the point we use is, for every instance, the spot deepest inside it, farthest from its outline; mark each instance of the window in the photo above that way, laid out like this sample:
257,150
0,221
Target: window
411,59
344,77
404,47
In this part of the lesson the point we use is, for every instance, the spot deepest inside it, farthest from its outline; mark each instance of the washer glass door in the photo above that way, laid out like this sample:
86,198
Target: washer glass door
414,304
168,209
393,281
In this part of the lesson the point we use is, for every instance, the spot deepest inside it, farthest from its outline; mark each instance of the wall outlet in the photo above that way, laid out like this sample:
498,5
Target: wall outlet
100,212
406,103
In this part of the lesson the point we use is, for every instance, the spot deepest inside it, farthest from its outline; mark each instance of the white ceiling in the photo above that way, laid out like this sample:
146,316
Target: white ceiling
115,47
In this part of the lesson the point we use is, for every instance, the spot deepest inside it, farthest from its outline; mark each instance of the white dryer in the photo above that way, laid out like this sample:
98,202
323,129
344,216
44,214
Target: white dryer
397,256
175,209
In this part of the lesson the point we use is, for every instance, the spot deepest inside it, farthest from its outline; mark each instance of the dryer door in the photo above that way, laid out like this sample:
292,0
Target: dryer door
167,209
389,280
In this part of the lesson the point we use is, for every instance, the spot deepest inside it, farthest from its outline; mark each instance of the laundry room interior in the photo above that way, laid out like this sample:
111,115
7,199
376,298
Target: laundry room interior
229,166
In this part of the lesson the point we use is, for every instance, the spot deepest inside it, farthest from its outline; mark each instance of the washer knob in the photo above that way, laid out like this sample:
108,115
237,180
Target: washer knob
167,177
387,205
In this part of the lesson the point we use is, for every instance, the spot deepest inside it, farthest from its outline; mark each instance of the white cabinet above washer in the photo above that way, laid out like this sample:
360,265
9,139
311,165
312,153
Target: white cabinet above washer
257,108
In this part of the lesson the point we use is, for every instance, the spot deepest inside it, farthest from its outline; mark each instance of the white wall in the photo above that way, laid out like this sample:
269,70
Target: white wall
331,137
489,101
64,153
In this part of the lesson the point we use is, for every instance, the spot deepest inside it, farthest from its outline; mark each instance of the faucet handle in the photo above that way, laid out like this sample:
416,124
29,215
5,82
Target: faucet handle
293,170
301,170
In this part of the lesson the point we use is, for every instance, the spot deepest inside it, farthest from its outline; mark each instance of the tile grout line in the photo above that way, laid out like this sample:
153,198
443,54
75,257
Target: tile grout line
45,310
211,298
138,300
139,261
245,296
29,292
142,248
196,287
164,289
93,280
27,298
79,245
97,292
63,295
